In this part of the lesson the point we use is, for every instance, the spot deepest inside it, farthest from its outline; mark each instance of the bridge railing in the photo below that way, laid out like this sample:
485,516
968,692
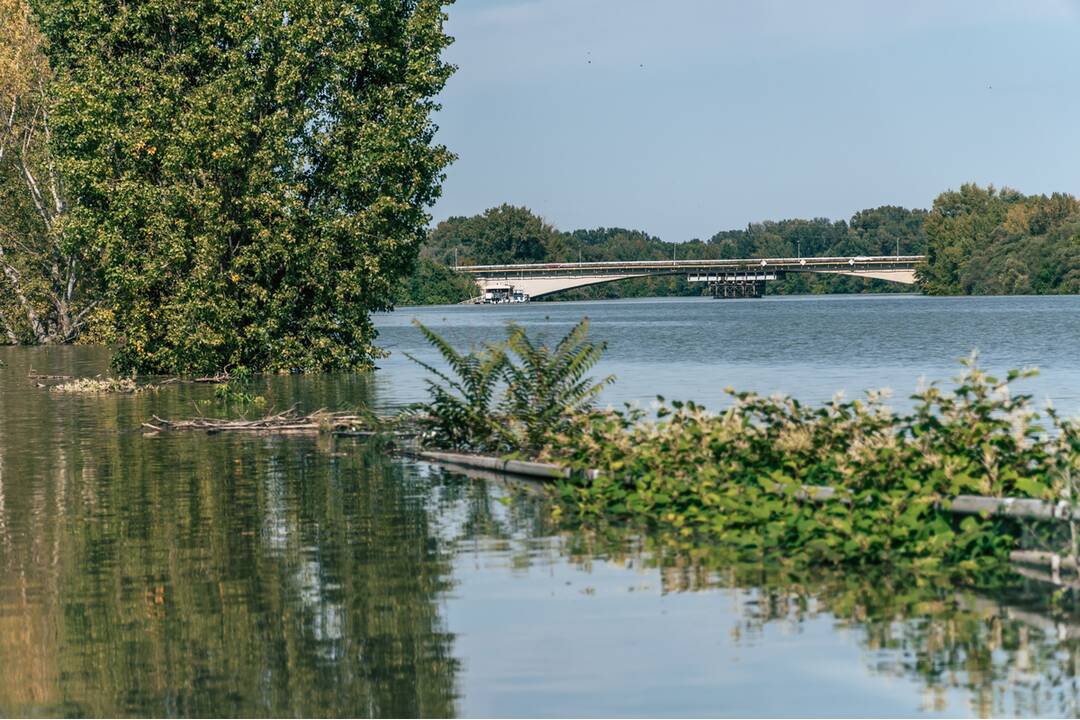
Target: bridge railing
781,263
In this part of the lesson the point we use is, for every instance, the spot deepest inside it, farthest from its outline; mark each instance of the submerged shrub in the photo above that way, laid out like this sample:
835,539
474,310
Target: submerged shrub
742,477
745,479
510,396
547,386
461,413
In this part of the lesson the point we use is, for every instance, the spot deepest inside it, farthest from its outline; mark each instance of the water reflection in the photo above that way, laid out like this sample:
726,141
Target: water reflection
196,575
993,646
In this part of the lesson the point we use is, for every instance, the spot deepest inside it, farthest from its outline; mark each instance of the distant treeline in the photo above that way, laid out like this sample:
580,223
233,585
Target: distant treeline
978,241
984,241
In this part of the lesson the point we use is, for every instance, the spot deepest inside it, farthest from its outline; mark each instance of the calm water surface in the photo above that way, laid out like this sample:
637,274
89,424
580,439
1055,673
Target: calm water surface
807,346
225,575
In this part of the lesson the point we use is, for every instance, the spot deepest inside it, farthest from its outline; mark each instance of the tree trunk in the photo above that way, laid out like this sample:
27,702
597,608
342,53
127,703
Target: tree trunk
12,275
9,332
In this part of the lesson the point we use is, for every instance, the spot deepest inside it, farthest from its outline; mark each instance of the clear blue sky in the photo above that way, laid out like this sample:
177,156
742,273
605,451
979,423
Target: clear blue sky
683,118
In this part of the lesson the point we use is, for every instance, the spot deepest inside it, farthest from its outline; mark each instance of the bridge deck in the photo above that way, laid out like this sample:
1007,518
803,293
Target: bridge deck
883,262
538,279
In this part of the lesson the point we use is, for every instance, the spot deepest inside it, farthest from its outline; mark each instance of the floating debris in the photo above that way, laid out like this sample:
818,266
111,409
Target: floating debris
218,379
287,422
101,386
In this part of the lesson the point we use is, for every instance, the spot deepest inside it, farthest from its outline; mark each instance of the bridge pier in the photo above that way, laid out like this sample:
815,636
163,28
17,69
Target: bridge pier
730,285
741,287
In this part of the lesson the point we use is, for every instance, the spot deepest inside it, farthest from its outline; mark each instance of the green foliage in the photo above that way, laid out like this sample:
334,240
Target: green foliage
461,414
738,478
236,390
744,480
252,178
515,235
433,283
509,396
548,385
503,234
989,241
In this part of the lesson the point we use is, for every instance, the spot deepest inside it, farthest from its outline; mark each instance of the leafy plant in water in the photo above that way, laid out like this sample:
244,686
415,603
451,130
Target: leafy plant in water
234,390
512,396
549,385
460,414
739,478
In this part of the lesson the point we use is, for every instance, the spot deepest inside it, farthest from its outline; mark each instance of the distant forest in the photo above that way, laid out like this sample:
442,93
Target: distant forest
978,241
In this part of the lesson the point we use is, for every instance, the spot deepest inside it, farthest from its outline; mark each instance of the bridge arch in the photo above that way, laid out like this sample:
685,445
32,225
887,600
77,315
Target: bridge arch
539,279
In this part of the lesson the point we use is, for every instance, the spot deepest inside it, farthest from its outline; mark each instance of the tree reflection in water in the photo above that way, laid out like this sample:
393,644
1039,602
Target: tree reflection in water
1011,643
196,575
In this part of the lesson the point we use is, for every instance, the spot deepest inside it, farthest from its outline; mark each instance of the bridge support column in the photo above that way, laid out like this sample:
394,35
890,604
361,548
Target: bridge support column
737,288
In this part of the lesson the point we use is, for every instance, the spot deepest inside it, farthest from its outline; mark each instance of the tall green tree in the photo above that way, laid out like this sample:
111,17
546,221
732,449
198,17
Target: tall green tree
960,224
503,234
433,283
251,177
1031,247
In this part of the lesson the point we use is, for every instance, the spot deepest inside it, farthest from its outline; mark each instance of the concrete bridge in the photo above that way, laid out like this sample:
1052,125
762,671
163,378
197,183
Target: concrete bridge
725,278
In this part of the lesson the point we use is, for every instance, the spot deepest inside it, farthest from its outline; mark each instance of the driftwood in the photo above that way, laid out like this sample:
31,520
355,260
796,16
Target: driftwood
1030,508
219,379
545,471
283,422
34,375
101,386
1041,557
287,422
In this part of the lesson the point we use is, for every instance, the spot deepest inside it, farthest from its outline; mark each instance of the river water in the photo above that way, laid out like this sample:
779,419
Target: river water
807,346
224,575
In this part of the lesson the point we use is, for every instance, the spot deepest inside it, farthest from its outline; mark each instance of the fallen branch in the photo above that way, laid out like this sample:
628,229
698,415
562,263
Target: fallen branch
218,379
287,422
39,376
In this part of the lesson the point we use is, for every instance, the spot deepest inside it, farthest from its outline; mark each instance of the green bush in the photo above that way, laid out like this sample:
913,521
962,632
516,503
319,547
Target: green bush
510,396
743,480
460,414
741,477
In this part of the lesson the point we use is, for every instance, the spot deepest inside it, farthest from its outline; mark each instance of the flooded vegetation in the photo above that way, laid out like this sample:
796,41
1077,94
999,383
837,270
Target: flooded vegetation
235,482
250,574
